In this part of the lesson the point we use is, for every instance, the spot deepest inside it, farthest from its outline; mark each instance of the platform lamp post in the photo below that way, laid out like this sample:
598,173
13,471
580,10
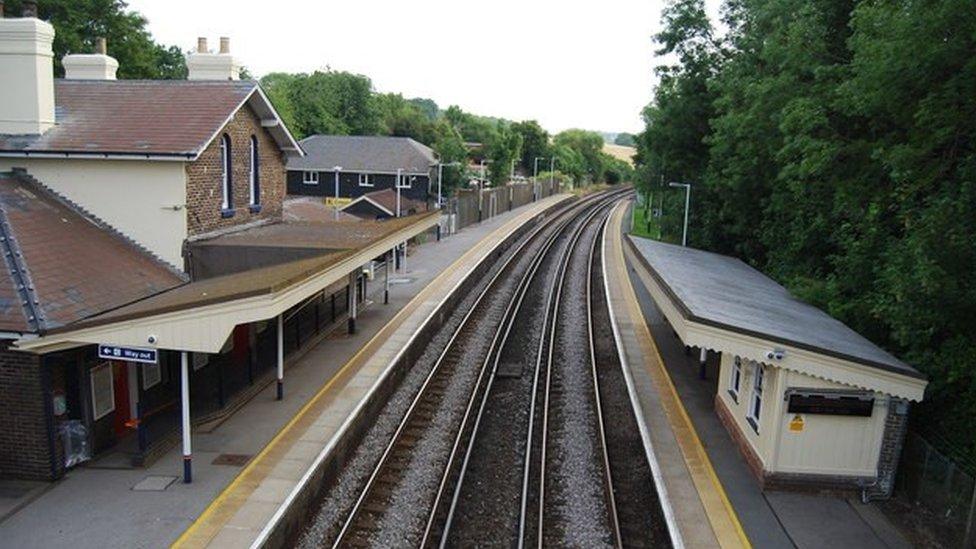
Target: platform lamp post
552,172
336,170
481,187
535,177
687,186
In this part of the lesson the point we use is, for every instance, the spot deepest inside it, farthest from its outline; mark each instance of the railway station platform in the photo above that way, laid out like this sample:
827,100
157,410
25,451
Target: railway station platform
715,499
249,464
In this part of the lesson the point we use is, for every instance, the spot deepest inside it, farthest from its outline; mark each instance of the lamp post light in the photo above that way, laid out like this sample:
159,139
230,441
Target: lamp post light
481,187
687,186
535,177
336,170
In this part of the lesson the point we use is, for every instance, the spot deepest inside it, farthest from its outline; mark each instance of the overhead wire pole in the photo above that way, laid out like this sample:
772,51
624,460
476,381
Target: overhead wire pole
552,172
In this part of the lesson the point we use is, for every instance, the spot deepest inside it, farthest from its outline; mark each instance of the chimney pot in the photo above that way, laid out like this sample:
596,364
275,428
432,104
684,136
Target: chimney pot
224,44
202,44
29,9
100,45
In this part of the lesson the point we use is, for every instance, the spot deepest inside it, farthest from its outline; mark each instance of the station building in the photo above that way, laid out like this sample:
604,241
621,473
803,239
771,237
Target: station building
148,269
810,403
346,167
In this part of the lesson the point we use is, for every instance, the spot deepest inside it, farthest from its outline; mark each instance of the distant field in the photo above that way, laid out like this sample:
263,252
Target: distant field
619,151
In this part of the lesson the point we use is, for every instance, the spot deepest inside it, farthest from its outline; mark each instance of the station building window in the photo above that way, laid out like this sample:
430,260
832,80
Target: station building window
310,178
735,378
364,180
755,406
226,183
255,182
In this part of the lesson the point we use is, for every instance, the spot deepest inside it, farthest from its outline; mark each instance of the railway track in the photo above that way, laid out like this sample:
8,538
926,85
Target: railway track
516,397
424,412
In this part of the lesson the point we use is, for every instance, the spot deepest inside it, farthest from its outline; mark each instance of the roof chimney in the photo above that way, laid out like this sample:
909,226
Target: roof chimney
27,73
90,66
203,65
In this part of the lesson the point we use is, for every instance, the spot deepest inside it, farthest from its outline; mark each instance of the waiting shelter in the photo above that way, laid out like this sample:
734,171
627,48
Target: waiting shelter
809,402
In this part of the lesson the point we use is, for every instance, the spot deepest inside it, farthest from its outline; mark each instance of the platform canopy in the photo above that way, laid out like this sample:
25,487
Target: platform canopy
720,303
199,316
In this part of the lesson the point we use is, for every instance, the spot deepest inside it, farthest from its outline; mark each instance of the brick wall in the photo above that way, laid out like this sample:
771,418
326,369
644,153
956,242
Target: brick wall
25,446
204,196
896,425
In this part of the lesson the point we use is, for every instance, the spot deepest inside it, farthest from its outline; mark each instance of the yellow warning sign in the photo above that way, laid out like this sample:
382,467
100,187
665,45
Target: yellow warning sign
796,424
336,202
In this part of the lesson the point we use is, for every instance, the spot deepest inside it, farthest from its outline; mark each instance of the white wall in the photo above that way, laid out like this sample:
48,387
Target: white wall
827,445
834,445
135,196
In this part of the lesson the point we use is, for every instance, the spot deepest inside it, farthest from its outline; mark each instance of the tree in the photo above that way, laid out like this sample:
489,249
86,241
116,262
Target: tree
331,102
78,22
535,143
625,140
588,149
504,148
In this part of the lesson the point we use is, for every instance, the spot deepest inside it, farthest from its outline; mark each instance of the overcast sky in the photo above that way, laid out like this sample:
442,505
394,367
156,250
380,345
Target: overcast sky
566,64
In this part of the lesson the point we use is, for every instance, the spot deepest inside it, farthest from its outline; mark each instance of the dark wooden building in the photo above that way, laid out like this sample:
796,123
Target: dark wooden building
368,164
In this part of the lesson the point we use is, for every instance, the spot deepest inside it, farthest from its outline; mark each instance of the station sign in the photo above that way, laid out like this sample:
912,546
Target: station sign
131,354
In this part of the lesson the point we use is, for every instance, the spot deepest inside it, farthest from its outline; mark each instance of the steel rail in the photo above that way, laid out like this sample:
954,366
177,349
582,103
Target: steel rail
381,465
608,475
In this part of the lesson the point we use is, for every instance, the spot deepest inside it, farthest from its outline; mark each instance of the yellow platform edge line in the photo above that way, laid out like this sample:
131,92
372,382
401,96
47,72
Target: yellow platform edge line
638,315
394,322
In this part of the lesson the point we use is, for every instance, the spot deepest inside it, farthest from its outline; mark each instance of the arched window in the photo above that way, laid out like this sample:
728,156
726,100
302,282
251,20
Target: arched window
255,174
226,177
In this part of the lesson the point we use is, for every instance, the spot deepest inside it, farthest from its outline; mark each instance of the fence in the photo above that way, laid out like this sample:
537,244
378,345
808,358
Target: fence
942,493
467,207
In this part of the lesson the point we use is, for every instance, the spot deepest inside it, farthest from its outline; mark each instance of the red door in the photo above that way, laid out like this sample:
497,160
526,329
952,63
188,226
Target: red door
120,382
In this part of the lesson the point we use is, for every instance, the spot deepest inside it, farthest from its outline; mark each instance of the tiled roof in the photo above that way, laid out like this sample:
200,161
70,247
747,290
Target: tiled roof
364,154
168,118
386,199
61,264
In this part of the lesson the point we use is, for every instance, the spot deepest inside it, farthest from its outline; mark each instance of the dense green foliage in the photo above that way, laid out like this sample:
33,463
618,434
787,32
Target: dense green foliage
78,22
832,144
625,139
341,103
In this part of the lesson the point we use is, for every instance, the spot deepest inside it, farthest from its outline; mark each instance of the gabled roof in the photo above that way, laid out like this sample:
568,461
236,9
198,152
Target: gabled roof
384,202
364,154
724,292
62,264
158,119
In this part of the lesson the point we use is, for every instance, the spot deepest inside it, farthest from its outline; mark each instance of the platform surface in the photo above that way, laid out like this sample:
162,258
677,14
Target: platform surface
96,506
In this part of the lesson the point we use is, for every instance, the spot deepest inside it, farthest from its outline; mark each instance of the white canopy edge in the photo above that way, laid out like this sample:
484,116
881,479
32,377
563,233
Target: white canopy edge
796,359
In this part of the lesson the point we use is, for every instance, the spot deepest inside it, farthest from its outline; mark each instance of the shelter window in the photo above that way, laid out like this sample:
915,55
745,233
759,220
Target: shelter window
226,177
735,378
755,407
405,181
310,178
364,180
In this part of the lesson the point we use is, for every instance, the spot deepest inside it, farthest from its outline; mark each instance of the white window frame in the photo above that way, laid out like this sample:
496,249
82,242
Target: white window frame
408,179
255,175
735,378
364,180
152,375
225,172
756,401
101,370
310,178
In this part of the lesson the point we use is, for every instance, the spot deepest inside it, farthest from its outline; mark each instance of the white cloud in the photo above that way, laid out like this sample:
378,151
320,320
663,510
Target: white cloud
566,64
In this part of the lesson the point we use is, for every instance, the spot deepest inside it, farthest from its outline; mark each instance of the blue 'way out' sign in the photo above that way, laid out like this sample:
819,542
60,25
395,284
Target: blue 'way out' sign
132,354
